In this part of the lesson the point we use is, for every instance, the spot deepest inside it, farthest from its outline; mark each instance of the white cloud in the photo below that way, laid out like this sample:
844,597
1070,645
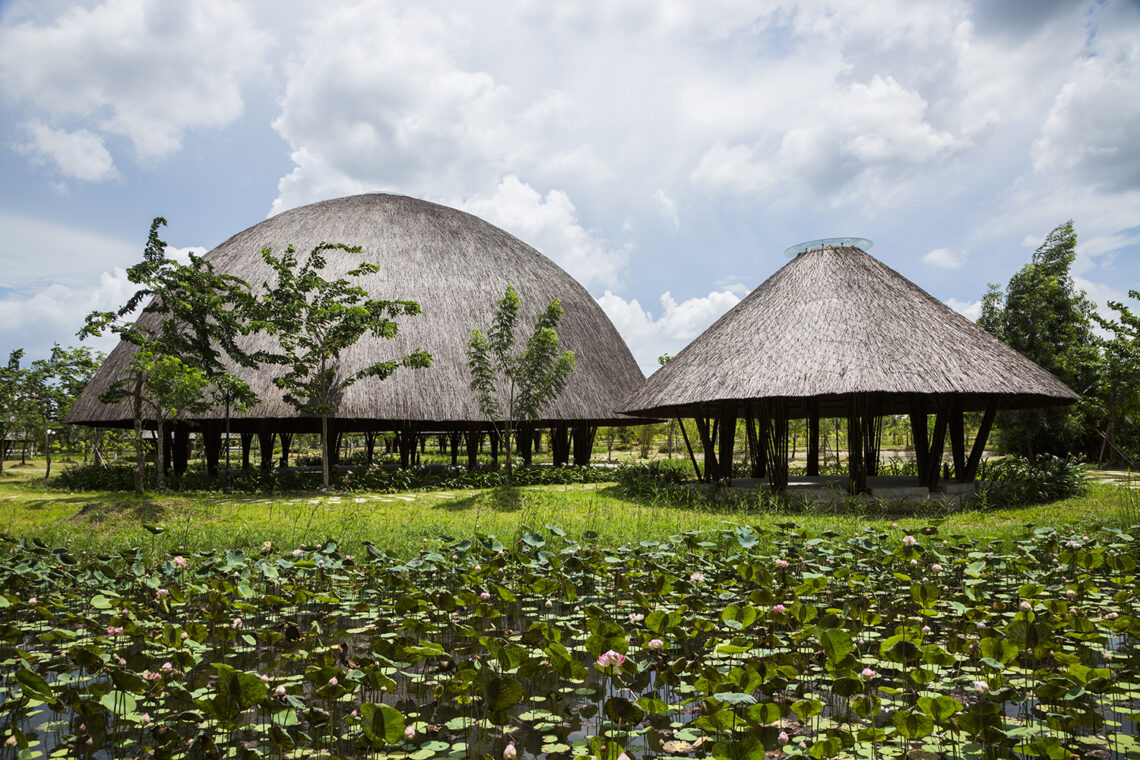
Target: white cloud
144,69
668,209
946,258
78,155
76,256
55,314
551,225
852,137
971,310
1077,140
649,337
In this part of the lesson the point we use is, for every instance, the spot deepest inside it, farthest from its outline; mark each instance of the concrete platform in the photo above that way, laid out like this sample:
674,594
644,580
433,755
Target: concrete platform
829,489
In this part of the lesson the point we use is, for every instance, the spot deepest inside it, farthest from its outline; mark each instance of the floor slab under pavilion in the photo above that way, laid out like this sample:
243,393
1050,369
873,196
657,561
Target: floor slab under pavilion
825,489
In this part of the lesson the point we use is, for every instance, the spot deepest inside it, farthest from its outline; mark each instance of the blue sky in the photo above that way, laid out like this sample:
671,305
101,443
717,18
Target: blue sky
665,153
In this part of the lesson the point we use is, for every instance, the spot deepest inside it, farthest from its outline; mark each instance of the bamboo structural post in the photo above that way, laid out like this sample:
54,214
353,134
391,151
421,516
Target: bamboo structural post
757,450
813,438
406,441
689,446
493,434
708,443
727,426
856,459
370,446
584,443
937,444
211,445
471,437
453,439
246,440
773,420
525,442
265,445
286,443
957,427
181,447
921,437
560,445
872,429
980,442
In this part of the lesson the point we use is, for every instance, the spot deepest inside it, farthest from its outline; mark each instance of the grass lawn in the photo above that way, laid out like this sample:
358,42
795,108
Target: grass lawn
401,523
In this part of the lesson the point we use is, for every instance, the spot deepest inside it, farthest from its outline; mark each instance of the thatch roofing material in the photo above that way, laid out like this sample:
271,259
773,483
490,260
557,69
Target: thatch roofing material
456,266
835,322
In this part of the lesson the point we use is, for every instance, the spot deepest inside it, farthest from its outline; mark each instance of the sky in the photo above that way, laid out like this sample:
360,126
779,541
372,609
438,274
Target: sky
665,153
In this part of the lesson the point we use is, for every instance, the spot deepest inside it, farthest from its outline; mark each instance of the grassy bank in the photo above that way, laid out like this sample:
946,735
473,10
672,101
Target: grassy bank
401,523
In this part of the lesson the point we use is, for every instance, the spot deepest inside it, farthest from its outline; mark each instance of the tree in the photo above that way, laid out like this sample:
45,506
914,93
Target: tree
1044,317
194,314
51,386
11,397
1119,387
663,360
314,319
514,387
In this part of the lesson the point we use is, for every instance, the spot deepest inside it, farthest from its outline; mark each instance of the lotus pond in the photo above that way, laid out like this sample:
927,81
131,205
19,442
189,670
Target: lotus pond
729,643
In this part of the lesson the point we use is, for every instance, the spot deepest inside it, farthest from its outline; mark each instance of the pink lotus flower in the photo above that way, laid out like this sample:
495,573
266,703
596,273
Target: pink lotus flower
981,687
656,644
781,563
779,609
144,718
180,561
167,667
611,659
936,567
409,733
1026,606
783,737
485,595
697,577
509,752
162,592
33,601
910,540
332,681
636,617
868,674
280,690
1071,593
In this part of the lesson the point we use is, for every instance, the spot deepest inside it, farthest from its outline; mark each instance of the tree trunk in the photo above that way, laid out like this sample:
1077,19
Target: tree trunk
508,433
325,449
160,452
47,451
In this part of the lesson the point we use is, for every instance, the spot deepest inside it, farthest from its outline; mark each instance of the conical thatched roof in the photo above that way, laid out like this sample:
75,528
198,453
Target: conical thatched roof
456,266
835,322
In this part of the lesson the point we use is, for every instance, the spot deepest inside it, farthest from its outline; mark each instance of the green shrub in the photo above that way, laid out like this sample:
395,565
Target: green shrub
1016,481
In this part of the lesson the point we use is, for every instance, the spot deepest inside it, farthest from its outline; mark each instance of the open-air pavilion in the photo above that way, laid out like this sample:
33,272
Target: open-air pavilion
835,333
456,266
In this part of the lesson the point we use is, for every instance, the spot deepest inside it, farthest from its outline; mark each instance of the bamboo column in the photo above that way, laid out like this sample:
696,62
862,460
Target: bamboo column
813,438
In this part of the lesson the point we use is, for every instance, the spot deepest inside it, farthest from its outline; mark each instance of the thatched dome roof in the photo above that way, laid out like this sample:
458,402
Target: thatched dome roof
834,322
456,266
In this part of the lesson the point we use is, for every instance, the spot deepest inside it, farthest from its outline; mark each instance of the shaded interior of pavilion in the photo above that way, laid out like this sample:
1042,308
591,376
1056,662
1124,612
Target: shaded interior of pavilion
269,444
946,458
